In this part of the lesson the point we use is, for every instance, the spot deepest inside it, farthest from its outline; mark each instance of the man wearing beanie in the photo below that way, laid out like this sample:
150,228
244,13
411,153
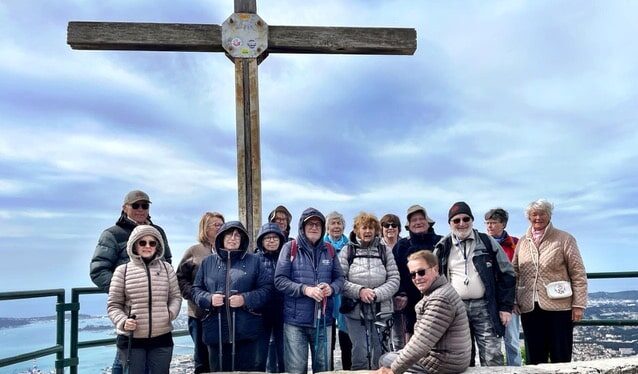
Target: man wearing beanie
478,269
111,246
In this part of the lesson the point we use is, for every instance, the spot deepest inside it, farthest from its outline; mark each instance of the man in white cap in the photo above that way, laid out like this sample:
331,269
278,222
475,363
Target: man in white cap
111,247
422,237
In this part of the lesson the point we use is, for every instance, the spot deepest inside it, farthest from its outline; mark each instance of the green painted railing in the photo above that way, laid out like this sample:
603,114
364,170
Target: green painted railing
74,307
58,348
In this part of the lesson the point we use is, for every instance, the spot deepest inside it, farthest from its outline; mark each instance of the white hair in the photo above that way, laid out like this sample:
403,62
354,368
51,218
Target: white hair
540,204
335,215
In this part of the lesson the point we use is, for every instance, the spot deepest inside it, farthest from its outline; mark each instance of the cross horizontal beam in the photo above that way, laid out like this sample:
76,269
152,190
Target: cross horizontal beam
207,38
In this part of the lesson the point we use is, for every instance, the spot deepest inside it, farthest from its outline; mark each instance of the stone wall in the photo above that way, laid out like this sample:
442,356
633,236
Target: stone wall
623,365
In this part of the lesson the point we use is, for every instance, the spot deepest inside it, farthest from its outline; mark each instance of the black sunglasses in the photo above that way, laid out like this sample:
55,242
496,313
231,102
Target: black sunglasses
421,273
138,205
456,221
151,243
387,225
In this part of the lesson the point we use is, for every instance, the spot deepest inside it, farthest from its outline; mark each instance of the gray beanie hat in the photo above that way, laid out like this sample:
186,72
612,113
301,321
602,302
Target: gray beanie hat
141,231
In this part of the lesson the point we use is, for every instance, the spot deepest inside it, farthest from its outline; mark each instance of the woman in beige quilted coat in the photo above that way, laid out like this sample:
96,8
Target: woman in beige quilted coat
544,256
143,300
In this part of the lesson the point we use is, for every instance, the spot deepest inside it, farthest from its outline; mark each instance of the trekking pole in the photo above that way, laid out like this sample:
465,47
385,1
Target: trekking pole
129,347
219,333
317,319
362,314
232,366
325,331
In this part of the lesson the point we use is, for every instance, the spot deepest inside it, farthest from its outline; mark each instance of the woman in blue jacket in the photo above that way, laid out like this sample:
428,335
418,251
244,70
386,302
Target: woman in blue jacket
232,286
269,243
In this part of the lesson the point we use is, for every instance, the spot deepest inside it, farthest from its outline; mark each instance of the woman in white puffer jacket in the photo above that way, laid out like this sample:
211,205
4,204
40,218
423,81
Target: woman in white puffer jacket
143,299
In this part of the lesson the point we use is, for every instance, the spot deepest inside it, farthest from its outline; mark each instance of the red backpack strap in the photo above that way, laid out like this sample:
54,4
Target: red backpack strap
293,250
331,249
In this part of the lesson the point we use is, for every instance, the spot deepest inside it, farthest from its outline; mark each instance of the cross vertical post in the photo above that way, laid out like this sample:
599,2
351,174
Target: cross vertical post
247,122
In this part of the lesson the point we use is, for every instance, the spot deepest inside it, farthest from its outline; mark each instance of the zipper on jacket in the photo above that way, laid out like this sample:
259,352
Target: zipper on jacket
150,301
227,303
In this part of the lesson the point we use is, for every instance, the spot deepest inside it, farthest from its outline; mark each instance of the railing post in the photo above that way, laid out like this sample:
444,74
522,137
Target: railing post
59,362
73,349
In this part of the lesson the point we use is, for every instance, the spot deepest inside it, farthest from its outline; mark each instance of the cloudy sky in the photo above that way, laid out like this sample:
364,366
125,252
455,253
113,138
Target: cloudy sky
502,103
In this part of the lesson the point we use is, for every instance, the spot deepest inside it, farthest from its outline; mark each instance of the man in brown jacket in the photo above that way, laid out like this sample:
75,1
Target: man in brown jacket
440,343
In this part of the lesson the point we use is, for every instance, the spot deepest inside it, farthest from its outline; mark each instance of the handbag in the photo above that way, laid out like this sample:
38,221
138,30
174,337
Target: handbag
347,305
558,290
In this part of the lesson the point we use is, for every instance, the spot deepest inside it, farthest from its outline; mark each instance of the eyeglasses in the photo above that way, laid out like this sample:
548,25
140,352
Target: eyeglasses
139,205
456,221
271,238
313,224
151,243
216,225
388,225
421,273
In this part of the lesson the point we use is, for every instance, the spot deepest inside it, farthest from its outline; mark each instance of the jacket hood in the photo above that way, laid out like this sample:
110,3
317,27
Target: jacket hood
229,226
270,228
311,212
138,233
285,211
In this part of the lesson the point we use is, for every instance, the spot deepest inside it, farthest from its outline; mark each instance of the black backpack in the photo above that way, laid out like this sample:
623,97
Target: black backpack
380,254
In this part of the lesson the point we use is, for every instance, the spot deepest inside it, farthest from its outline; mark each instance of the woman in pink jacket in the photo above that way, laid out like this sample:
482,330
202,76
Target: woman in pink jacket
143,300
551,290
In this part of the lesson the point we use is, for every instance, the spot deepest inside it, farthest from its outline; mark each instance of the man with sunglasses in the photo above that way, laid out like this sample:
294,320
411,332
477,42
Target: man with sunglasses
421,236
111,246
478,269
439,343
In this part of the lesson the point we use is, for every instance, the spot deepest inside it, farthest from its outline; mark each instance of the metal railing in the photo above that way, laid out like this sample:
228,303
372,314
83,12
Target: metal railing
74,307
58,348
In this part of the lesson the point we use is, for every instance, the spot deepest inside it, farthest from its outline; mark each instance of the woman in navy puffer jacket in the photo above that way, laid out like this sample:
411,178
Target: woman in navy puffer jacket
269,243
233,285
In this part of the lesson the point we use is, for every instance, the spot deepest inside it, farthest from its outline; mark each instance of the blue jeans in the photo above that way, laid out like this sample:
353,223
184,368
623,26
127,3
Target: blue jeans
489,345
200,354
512,341
296,342
117,364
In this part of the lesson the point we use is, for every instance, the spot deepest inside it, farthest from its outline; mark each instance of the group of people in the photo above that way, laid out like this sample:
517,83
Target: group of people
420,303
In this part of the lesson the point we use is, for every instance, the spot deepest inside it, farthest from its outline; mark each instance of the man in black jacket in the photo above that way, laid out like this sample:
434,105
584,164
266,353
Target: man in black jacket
422,236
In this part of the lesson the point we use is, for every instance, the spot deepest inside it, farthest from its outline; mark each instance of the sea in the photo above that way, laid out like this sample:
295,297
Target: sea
40,333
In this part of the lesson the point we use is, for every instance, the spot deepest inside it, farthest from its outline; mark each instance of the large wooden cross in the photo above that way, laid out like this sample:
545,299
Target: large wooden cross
247,40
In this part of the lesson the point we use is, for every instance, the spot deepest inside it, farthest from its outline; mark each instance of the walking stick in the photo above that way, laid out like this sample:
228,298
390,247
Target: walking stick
219,333
364,322
232,366
129,347
325,332
317,319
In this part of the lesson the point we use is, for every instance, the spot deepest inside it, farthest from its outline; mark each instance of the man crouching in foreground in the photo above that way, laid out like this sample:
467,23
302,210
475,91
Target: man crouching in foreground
441,341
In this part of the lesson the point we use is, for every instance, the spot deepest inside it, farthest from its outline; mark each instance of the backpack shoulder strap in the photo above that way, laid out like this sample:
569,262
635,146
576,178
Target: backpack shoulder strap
331,249
294,247
382,249
486,240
